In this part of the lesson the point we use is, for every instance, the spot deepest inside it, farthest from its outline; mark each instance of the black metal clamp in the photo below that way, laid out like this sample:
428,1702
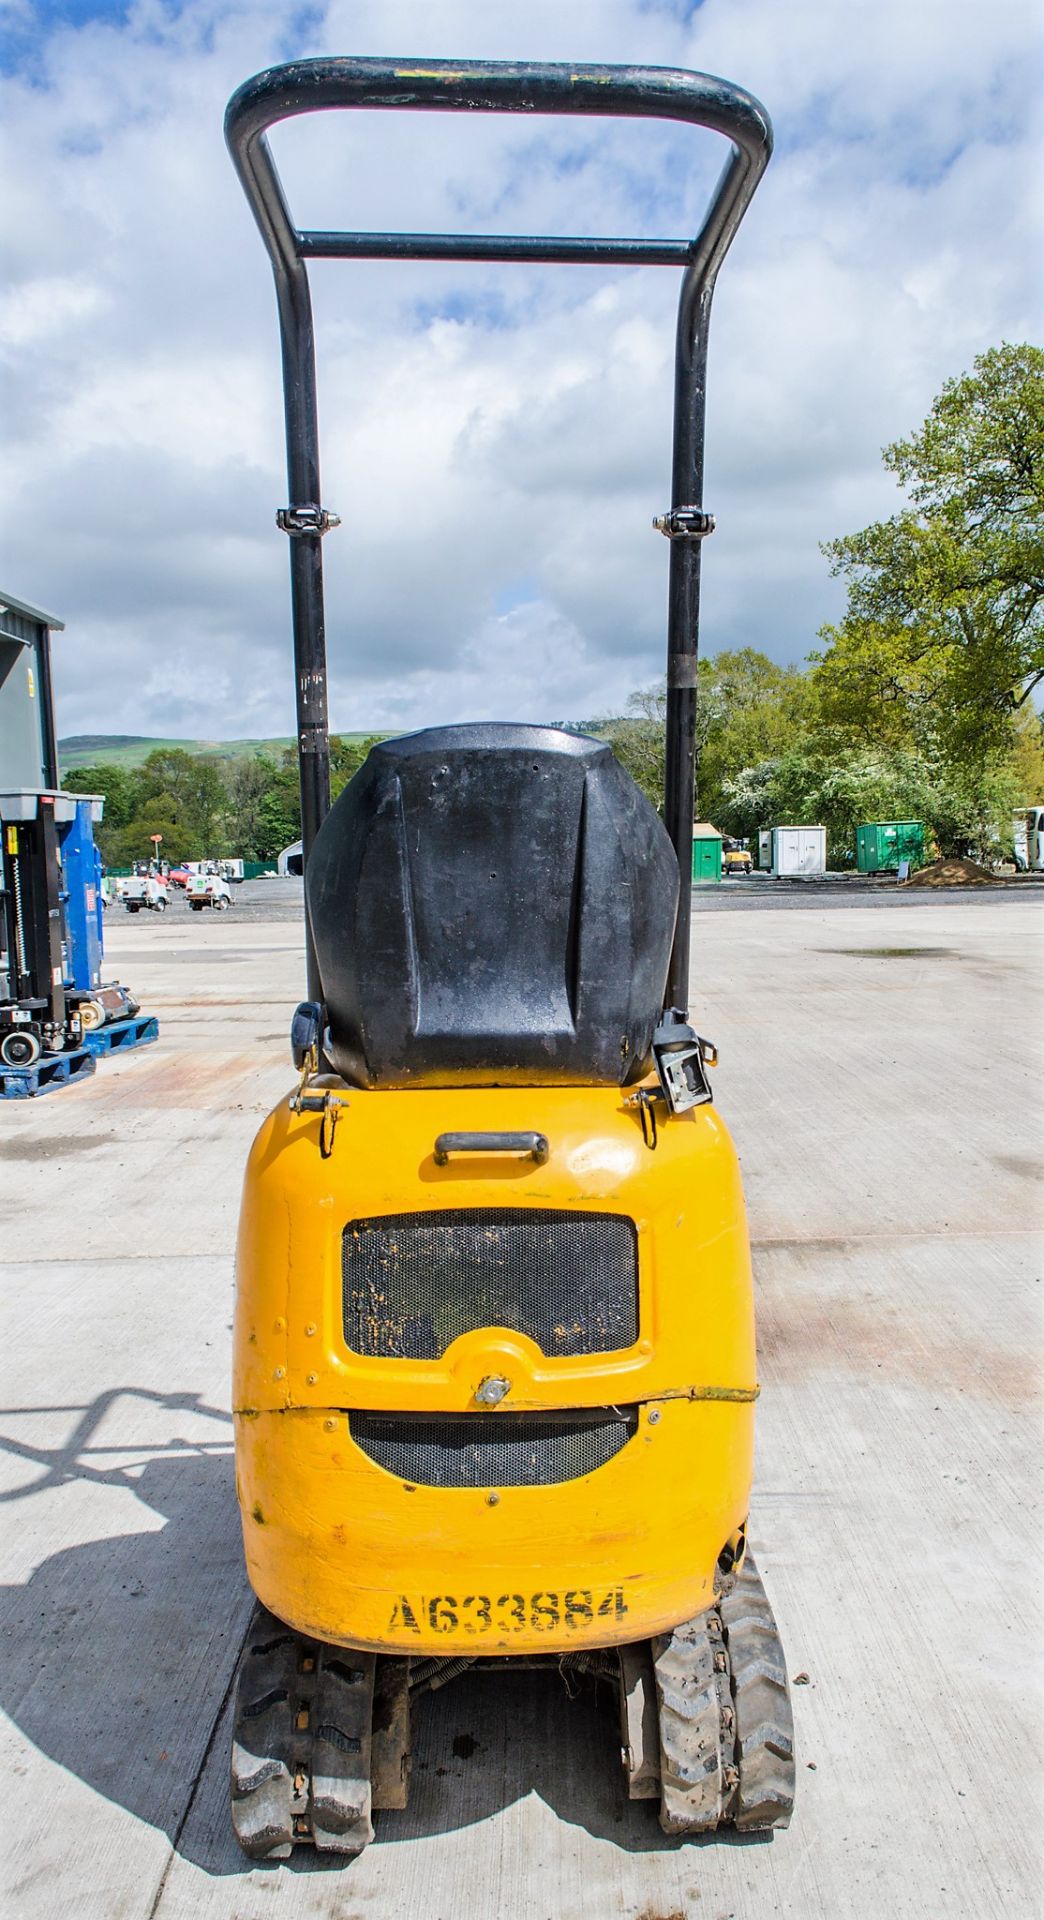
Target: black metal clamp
685,523
310,519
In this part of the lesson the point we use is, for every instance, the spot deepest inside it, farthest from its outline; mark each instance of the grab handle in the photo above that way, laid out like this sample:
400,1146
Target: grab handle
494,86
532,1144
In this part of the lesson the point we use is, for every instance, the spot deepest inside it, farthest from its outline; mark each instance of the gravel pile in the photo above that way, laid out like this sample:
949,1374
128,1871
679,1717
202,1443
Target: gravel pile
952,873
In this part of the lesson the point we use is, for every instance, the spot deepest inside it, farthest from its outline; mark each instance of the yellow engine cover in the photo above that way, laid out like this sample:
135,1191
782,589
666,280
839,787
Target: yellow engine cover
348,1552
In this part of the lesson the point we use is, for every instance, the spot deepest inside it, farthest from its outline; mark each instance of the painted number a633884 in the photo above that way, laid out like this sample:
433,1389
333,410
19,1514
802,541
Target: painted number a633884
574,1608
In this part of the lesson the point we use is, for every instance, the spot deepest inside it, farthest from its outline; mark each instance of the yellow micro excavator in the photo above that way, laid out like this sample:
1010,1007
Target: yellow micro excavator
494,1341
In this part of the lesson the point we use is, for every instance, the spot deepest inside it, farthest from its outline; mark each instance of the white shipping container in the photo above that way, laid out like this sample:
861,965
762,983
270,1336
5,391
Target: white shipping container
798,850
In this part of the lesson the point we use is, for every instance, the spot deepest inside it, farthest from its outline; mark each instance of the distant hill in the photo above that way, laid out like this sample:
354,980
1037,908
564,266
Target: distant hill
90,744
131,749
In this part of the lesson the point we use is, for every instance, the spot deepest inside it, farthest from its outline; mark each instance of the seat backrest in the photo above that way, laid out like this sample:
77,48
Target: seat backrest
492,905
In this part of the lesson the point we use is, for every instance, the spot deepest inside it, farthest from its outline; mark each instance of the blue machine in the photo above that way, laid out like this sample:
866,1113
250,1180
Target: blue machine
56,1013
109,1016
82,896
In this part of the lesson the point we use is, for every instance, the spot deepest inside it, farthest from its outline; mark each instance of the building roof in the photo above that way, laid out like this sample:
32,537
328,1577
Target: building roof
8,603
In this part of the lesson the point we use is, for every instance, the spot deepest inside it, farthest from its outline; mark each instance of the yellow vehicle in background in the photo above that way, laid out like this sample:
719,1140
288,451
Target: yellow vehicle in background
495,1371
735,857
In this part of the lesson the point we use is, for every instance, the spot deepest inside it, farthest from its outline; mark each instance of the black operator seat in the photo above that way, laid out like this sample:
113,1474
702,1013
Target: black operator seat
492,905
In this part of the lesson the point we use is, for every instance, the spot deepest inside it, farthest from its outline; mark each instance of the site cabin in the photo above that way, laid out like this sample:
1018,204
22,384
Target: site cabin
789,852
882,846
706,851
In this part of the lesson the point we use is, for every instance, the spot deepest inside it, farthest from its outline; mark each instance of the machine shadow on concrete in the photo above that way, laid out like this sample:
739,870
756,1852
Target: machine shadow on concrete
122,1652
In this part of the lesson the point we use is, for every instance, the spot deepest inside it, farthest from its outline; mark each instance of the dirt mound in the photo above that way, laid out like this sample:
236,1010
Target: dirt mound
952,873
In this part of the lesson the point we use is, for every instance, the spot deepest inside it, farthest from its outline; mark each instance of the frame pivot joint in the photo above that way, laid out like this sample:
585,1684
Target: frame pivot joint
685,523
308,519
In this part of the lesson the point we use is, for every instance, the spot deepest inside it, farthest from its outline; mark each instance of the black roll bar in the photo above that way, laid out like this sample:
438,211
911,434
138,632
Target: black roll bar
455,86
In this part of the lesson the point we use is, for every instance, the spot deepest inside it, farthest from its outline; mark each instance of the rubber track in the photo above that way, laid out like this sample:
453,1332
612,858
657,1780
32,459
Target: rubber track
726,1730
764,1722
301,1744
697,1770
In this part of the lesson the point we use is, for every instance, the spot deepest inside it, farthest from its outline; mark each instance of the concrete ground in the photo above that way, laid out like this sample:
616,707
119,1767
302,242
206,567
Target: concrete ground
880,1069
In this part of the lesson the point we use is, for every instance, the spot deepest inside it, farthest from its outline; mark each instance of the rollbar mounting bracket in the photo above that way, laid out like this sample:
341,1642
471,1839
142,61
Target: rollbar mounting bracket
308,519
685,523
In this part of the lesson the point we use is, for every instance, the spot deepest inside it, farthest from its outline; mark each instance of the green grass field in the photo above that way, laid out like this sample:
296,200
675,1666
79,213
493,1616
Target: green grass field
130,750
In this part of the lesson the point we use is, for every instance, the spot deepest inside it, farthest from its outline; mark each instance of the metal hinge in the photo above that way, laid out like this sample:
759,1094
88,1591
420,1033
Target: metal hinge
320,1100
685,523
305,1031
644,1102
308,519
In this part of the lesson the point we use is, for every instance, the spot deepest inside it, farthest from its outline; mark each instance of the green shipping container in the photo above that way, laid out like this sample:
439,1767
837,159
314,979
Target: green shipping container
881,846
706,856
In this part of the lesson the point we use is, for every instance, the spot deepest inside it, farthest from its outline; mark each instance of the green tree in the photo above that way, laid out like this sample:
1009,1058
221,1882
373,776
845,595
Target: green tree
965,811
134,841
262,813
118,786
346,757
248,782
193,794
747,708
750,709
808,788
942,640
279,808
637,739
1027,758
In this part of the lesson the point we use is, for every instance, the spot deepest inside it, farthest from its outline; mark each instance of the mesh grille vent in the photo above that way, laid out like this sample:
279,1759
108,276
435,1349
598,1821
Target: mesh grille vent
492,1449
414,1281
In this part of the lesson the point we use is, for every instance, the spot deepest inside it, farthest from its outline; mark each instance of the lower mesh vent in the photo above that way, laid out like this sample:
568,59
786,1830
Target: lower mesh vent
492,1449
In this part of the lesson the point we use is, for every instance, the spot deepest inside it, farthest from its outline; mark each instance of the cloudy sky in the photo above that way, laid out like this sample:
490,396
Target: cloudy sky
496,440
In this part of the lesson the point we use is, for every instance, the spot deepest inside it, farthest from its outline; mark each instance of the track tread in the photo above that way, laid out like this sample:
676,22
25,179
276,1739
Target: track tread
764,1719
301,1744
726,1730
697,1772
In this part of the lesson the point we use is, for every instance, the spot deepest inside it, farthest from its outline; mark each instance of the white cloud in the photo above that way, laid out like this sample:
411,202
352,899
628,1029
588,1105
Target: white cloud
495,439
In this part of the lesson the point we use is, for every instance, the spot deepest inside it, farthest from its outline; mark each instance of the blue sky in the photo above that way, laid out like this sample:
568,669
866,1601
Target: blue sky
42,15
518,417
27,26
